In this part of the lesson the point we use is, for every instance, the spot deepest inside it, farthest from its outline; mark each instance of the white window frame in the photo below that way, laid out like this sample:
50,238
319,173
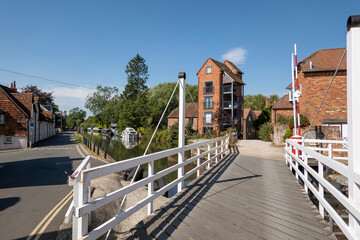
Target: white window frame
207,117
207,69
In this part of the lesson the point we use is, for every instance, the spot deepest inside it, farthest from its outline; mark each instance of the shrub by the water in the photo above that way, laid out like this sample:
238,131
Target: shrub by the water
265,130
287,134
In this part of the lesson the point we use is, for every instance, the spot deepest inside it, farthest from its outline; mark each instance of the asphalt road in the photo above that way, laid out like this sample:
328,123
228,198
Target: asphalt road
32,183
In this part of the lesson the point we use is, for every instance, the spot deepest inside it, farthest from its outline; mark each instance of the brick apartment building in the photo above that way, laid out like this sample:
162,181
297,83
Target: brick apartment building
315,73
220,85
22,119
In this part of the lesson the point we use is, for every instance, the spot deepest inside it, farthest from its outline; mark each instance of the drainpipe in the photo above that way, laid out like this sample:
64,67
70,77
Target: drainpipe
353,114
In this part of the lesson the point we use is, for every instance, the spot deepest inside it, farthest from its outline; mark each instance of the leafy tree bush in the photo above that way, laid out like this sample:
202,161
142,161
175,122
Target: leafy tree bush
45,98
257,102
97,100
303,122
264,117
287,134
265,130
76,117
283,119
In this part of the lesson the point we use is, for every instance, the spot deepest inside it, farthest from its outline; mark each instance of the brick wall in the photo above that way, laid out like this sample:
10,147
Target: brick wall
276,112
314,86
172,121
15,121
216,78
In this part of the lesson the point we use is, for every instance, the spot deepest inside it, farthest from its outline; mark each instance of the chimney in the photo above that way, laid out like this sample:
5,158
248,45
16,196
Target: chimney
13,86
267,102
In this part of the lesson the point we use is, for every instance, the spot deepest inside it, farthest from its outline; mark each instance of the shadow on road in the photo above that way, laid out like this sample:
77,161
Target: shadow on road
61,139
36,172
8,202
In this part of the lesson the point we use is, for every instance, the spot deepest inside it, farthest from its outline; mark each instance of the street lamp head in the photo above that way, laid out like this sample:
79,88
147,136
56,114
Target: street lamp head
182,75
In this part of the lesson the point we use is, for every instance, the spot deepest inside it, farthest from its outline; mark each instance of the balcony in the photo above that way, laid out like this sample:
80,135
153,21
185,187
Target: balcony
208,105
227,89
208,89
227,104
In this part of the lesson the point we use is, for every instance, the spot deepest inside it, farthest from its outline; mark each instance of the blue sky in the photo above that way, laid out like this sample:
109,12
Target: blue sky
90,42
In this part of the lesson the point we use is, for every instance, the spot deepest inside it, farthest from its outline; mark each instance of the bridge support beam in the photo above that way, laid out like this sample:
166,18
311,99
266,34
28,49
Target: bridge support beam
181,154
353,114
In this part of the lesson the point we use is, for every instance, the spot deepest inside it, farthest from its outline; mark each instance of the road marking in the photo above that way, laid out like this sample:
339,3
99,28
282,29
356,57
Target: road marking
51,218
49,214
81,154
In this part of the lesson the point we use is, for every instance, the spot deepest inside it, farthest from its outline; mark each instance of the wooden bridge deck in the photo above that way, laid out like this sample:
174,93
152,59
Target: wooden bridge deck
240,198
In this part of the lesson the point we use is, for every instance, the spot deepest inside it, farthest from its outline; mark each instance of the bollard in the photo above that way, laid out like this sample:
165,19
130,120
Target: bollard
97,153
105,153
90,145
94,146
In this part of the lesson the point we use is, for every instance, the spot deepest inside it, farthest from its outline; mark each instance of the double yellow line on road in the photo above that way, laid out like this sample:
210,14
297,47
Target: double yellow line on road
36,233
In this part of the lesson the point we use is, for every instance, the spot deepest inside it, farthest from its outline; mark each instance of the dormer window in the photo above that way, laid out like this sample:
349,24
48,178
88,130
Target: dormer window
208,69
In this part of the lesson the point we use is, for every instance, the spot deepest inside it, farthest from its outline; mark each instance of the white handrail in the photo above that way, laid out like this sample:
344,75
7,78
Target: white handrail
83,206
295,158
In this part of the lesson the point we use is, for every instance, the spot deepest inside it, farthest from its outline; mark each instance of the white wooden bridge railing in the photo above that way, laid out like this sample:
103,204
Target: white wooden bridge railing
83,206
298,155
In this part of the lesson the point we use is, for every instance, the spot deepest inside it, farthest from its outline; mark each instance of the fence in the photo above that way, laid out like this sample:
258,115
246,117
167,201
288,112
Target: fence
83,206
299,155
96,148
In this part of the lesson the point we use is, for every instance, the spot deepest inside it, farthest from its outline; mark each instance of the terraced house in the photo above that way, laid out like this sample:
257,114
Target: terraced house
220,89
23,121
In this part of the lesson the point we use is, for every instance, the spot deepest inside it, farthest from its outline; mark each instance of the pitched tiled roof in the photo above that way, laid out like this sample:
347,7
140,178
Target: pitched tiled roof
226,69
257,113
324,60
246,112
283,103
190,111
233,65
10,93
25,98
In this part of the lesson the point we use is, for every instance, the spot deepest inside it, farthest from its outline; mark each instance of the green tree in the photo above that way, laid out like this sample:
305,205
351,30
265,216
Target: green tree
159,97
45,98
76,117
133,112
255,102
97,100
110,113
273,98
89,122
133,108
137,72
264,117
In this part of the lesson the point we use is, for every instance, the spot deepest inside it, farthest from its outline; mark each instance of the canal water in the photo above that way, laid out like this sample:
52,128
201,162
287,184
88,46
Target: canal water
121,150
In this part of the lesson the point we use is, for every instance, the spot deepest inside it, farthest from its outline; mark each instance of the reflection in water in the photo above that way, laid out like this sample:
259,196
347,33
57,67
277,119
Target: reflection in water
129,143
120,150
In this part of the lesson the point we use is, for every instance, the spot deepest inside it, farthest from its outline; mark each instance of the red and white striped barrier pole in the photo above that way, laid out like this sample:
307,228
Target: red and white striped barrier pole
297,93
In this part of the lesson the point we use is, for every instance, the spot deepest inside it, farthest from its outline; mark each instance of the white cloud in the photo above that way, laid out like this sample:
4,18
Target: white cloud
75,92
235,55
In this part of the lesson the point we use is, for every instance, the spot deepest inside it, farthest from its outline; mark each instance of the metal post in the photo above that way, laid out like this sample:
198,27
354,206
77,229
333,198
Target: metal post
208,165
198,162
353,114
80,224
330,150
94,146
98,149
181,155
150,186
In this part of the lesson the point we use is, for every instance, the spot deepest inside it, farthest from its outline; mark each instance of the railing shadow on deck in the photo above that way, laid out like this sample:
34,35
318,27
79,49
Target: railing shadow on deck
182,207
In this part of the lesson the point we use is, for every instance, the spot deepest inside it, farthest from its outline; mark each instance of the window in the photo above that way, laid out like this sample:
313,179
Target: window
208,87
191,120
8,139
208,69
208,102
208,117
2,118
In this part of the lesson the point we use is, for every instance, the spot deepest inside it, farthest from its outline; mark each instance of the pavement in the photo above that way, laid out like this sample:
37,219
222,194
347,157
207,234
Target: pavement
260,149
34,194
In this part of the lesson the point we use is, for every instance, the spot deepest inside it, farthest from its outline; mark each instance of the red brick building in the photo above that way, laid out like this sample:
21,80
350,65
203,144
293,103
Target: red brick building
249,131
191,116
220,86
22,119
315,73
282,107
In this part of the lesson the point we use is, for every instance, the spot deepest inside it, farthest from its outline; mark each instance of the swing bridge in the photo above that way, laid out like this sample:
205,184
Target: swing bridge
240,197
